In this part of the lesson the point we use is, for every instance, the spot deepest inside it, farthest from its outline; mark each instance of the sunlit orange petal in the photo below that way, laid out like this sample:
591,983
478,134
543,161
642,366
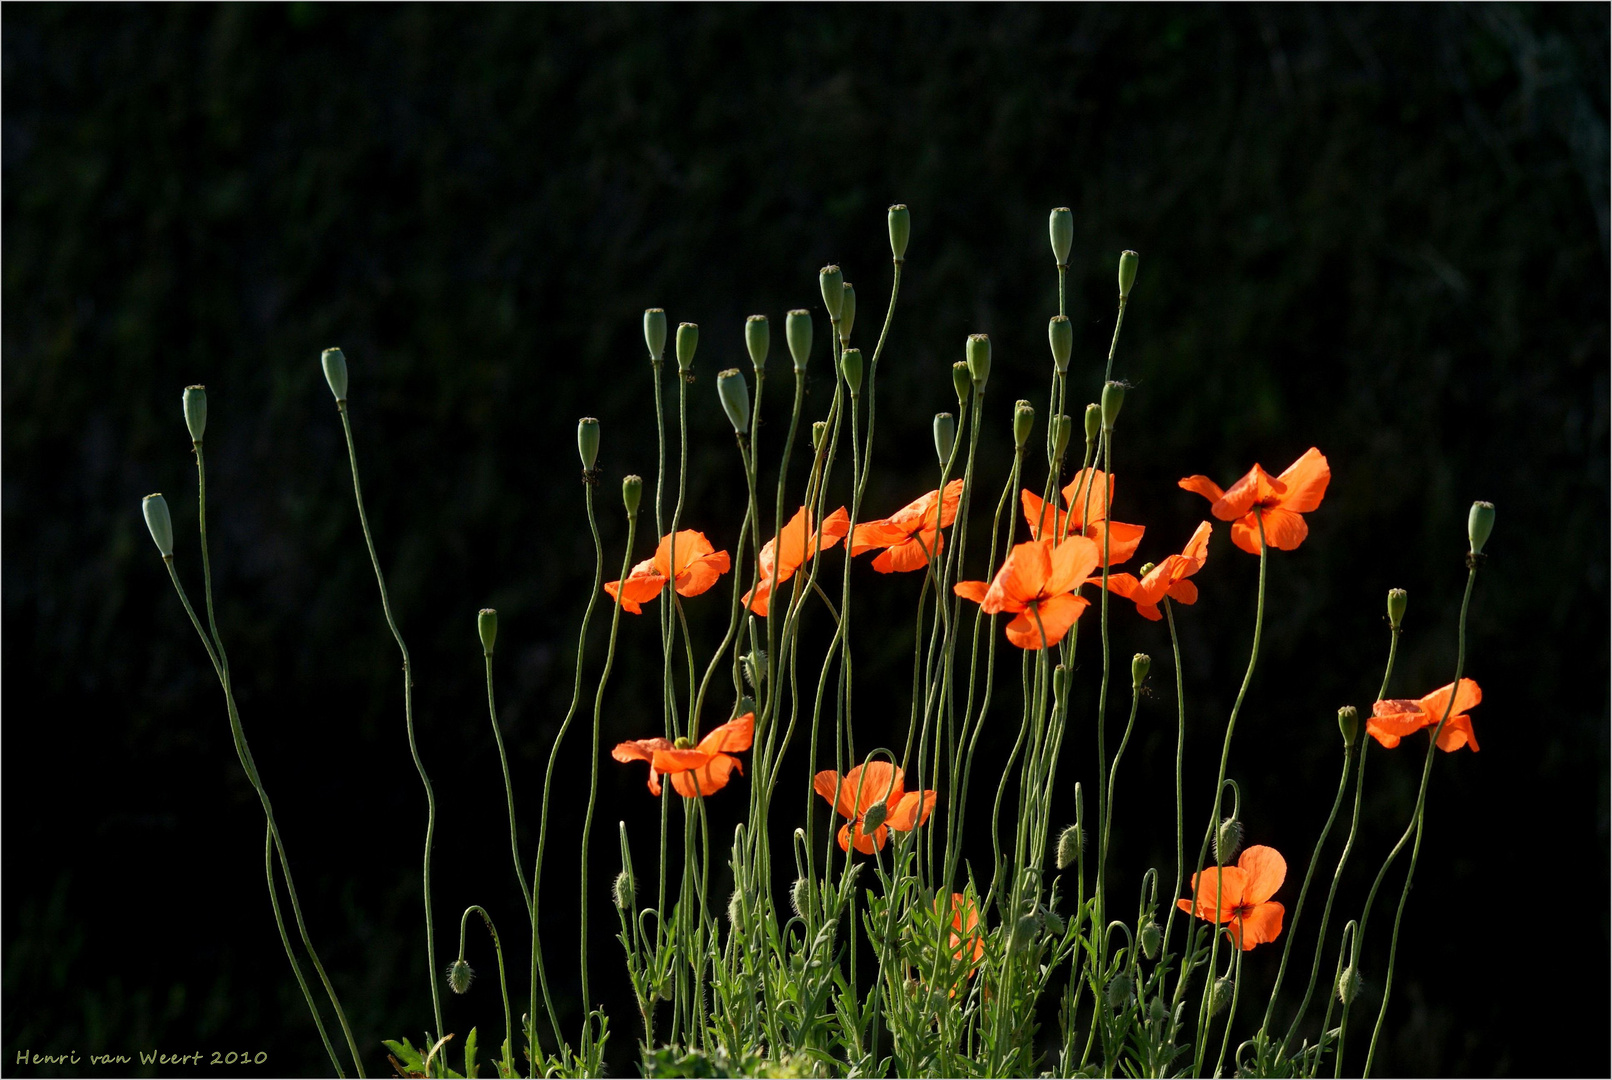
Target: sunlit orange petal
1045,520
708,778
1197,549
690,544
1021,577
1124,585
1262,925
876,534
732,736
639,749
1088,496
680,759
972,590
1306,481
1284,530
1202,485
702,573
1058,614
876,782
910,554
1254,488
1266,870
1069,564
1457,733
1245,534
1183,592
1122,539
1232,882
865,843
911,811
827,784
1435,703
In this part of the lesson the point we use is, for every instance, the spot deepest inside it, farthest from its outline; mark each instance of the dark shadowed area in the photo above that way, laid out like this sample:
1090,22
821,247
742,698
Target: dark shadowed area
1380,231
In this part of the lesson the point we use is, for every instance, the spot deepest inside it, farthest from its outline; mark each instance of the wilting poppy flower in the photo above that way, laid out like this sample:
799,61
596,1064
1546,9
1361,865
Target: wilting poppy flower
695,770
789,551
910,535
698,567
1252,917
1278,501
1169,578
1037,579
1392,720
1087,496
863,788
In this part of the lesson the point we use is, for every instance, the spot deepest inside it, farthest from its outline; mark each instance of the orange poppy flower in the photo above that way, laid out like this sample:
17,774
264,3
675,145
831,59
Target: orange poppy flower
1037,578
1087,496
1169,578
698,567
865,787
702,769
910,535
1278,500
1394,719
790,550
1252,917
965,920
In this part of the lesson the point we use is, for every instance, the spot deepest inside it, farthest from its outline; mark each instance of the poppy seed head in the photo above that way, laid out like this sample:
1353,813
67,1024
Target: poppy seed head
655,332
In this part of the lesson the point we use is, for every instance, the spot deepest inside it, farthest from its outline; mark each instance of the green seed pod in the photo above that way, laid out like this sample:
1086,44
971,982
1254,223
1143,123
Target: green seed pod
1479,523
487,627
1119,991
1061,224
819,432
798,332
832,283
588,441
335,365
1061,336
1094,422
1140,663
1220,996
735,395
1228,838
800,896
1127,273
1069,843
1150,938
962,382
688,339
945,436
460,976
623,891
875,816
1061,427
1023,422
1396,607
1348,724
757,338
847,313
978,353
851,368
1349,985
632,488
196,412
900,229
1113,398
160,524
655,332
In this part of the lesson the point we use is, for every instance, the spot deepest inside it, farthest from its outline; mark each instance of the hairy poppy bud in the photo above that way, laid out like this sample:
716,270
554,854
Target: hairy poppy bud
1061,225
735,395
160,524
900,229
588,441
819,430
1348,724
832,282
1061,427
196,412
623,891
688,339
800,896
1069,843
1228,838
798,332
1053,922
1396,607
1025,932
1023,421
632,487
1061,336
1150,938
459,976
735,907
655,332
1140,663
487,627
1479,523
1349,984
335,365
1127,272
1113,398
847,313
1158,1012
978,352
876,815
962,381
945,436
1221,995
1119,991
851,368
757,338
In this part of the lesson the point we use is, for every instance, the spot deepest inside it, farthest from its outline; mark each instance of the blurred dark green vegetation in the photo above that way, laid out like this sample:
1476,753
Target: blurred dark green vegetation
1382,231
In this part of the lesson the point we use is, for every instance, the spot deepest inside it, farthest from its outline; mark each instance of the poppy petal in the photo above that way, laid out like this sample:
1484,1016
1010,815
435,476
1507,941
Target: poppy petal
878,781
1245,534
708,779
1122,539
1069,564
1306,481
732,736
1184,592
636,589
680,759
702,573
1254,489
1231,882
972,590
1088,494
1284,530
865,843
1457,733
827,784
1466,696
1197,550
1202,485
1262,925
1043,519
1266,870
1388,739
639,749
913,810
913,554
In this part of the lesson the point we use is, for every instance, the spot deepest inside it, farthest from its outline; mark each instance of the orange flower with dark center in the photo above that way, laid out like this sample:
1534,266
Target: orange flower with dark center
702,769
790,550
1245,892
1169,578
1087,497
865,787
911,535
1277,501
698,567
1037,581
1392,720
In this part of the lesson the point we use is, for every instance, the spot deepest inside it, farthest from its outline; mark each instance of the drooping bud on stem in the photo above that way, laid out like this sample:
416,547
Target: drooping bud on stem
847,313
1349,985
1348,724
460,976
588,442
1228,838
1023,422
1113,398
160,524
632,489
735,395
335,365
757,338
1221,995
1061,336
962,382
945,436
487,627
688,339
978,353
1127,273
1119,991
1150,938
196,412
1061,225
655,332
1140,663
1479,524
1094,422
798,332
851,369
832,282
900,229
875,817
1061,427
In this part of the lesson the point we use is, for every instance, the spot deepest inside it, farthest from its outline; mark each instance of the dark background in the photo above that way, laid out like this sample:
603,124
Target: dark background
1381,231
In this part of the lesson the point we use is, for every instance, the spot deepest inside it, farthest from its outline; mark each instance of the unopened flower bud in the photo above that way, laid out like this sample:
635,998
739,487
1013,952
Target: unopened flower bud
757,337
1025,932
1150,937
459,976
735,395
1396,607
832,282
851,369
800,896
688,339
978,353
875,816
623,891
1348,724
1061,336
1479,523
632,487
1140,663
1061,428
655,332
1094,422
1061,225
487,627
1228,838
1349,985
1221,995
1023,422
588,441
1113,398
900,229
160,524
735,907
1053,922
1127,272
1158,1012
196,411
819,431
1060,685
1069,842
962,381
945,436
335,365
847,313
1119,991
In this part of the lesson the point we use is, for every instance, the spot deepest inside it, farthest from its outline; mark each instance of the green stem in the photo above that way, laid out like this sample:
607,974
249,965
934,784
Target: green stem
509,788
503,982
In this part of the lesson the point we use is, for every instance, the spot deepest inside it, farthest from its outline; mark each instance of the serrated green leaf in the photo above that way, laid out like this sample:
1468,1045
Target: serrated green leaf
471,1068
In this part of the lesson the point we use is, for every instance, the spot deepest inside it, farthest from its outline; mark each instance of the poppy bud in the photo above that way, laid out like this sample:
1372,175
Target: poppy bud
800,896
1060,685
196,412
1349,984
735,907
847,313
1139,667
1228,838
1023,421
851,368
819,430
487,627
945,435
1061,225
335,365
1479,523
1157,1011
900,229
755,668
1069,842
757,337
735,395
1053,922
588,441
1061,427
655,332
876,815
160,524
632,487
1221,995
1113,398
1151,937
978,352
688,339
1119,991
623,890
962,381
832,282
1025,931
798,332
1061,336
1348,724
1127,273
1396,607
1093,420
459,976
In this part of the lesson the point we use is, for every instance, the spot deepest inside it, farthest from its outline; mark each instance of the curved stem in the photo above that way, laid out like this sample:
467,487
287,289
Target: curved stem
509,788
503,982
